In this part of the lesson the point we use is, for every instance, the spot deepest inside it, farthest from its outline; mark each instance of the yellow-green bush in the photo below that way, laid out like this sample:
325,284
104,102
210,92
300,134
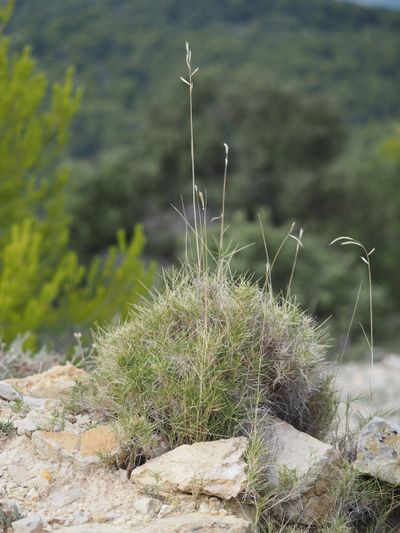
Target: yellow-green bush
35,297
43,286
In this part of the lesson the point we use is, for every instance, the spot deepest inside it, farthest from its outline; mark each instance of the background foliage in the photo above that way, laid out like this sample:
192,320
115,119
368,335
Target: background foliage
305,93
43,286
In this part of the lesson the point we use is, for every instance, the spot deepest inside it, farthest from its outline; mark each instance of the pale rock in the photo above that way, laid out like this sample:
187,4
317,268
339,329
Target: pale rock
96,528
32,494
32,422
199,522
41,404
204,507
184,523
30,524
81,518
100,518
25,426
55,383
378,450
147,506
82,420
311,466
215,468
65,496
20,475
112,516
7,392
165,509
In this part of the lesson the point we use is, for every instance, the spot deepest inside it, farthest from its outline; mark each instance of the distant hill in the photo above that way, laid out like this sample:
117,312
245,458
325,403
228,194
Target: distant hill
125,52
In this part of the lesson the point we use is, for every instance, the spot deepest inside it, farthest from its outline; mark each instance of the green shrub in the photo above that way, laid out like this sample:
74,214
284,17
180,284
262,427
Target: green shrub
193,363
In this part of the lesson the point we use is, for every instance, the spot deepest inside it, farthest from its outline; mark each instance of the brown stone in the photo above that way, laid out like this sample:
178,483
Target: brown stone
56,382
62,442
97,440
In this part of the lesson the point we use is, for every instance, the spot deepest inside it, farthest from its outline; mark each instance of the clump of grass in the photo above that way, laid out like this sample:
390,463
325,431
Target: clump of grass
364,504
78,400
187,366
6,429
8,515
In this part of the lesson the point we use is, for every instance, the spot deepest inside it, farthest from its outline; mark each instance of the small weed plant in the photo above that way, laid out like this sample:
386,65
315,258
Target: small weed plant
6,429
8,515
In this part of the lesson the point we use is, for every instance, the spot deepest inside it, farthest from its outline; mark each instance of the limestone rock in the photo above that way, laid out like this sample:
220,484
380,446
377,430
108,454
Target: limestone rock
20,475
378,450
32,422
215,468
184,523
25,426
302,466
147,506
54,383
96,528
198,522
7,392
41,404
65,496
30,524
56,443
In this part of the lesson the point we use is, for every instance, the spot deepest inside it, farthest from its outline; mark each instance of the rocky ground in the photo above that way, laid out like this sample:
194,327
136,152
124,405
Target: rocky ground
55,468
371,389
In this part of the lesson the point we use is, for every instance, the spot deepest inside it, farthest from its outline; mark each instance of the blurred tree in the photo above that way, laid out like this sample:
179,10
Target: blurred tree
124,51
279,145
42,284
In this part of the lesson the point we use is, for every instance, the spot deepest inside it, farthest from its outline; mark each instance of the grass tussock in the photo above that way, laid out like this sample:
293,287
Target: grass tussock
363,504
195,361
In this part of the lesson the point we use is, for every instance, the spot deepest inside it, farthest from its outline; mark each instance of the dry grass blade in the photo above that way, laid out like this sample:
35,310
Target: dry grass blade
349,241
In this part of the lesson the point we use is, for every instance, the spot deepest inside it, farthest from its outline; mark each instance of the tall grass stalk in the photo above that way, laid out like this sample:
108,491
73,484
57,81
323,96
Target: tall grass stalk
346,340
222,230
298,245
349,241
189,82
